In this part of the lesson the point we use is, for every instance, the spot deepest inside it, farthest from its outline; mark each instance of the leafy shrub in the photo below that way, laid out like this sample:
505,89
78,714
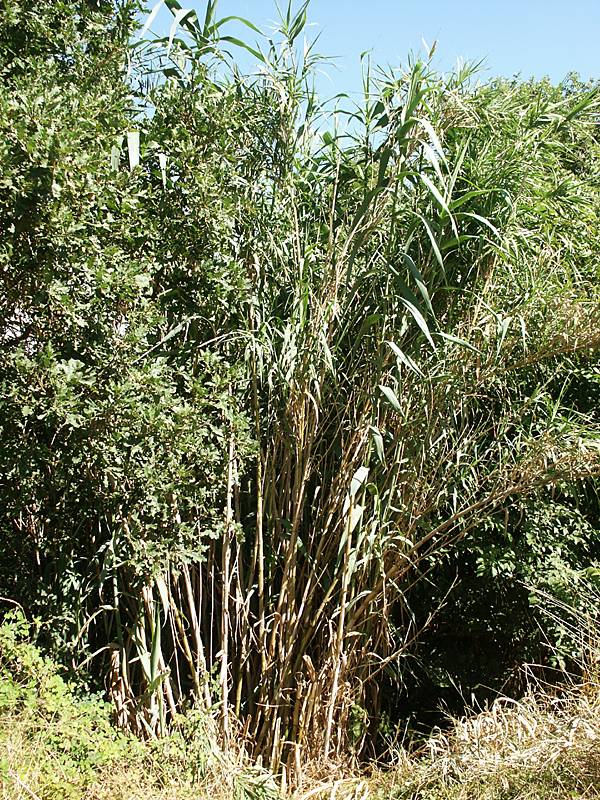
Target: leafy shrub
45,727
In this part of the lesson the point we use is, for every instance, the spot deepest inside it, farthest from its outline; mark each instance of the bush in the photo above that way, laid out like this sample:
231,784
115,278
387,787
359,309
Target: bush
47,734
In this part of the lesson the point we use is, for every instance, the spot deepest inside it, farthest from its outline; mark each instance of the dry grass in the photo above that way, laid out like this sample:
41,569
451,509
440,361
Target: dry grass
545,746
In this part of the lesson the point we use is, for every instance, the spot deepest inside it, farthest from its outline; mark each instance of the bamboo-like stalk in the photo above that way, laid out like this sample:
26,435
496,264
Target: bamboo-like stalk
226,588
339,640
200,671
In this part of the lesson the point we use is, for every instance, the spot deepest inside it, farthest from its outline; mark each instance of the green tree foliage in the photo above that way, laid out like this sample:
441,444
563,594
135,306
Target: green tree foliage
112,450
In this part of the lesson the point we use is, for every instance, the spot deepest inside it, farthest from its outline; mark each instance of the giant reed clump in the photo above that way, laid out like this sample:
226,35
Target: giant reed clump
291,365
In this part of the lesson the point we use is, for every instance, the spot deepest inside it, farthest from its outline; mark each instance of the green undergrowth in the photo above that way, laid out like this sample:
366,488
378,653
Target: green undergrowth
57,745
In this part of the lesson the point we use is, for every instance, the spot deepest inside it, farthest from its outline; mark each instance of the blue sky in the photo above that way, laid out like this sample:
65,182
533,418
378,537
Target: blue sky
530,37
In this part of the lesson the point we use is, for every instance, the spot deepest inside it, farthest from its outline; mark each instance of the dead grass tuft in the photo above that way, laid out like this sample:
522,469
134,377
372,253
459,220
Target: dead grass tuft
544,747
